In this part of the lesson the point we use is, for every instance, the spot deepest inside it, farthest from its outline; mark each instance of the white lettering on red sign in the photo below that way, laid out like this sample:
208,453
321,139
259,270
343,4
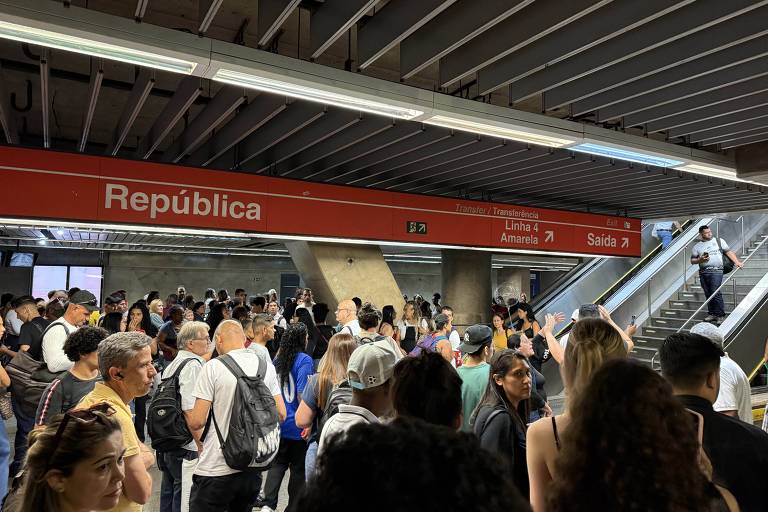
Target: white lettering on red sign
217,205
601,240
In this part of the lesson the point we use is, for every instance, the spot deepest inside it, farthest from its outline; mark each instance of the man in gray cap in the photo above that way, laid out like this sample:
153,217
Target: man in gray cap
369,370
734,398
81,305
474,373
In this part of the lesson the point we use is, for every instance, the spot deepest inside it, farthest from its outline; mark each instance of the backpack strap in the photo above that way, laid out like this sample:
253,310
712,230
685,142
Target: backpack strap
490,417
177,373
67,390
54,324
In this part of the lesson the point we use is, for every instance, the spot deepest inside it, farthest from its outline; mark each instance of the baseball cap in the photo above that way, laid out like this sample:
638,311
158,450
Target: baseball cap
372,364
86,299
575,315
113,299
710,331
474,337
24,299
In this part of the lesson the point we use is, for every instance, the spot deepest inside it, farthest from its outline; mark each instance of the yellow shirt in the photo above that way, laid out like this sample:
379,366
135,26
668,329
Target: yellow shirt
103,393
93,320
500,339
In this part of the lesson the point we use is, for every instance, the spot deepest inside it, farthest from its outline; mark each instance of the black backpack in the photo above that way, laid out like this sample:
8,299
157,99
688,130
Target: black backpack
253,437
369,337
339,395
166,423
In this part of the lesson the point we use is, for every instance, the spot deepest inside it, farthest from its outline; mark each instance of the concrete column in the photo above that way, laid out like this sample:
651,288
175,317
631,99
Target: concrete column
466,277
336,272
511,282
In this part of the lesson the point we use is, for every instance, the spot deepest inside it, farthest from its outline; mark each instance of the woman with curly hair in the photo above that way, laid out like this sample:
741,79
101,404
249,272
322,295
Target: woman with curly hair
499,420
631,445
591,343
293,366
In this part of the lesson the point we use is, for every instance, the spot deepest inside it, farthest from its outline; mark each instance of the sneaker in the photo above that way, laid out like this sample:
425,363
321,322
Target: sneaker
710,318
266,509
720,319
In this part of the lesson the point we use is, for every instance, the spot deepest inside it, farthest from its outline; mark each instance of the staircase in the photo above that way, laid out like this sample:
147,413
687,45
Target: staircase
687,300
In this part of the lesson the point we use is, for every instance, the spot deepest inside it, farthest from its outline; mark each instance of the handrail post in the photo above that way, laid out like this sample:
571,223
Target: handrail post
734,292
649,298
743,240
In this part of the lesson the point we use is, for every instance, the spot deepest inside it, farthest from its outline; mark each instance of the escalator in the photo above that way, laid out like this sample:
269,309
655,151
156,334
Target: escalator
662,292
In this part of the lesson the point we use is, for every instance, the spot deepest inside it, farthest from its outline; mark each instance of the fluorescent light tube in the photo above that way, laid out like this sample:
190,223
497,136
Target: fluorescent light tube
493,130
625,154
108,51
313,94
709,171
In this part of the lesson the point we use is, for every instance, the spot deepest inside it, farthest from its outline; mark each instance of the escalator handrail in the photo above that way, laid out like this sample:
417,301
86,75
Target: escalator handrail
725,281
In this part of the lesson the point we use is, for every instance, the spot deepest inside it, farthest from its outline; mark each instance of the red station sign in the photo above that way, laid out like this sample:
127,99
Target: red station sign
52,185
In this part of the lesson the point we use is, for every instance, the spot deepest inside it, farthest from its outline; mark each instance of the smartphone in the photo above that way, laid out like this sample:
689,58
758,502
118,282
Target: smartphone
632,322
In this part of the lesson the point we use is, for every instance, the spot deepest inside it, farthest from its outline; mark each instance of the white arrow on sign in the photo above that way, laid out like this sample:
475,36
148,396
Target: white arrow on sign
624,242
550,236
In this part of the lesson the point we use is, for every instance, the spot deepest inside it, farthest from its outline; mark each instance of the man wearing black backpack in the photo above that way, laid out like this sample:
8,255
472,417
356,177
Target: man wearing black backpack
176,444
240,394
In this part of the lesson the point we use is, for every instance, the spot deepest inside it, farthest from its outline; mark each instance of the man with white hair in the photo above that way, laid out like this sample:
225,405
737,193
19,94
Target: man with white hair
733,399
177,466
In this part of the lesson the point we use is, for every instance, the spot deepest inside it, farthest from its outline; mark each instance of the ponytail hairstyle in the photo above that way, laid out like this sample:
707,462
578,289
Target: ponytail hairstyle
49,452
494,395
293,342
332,369
592,342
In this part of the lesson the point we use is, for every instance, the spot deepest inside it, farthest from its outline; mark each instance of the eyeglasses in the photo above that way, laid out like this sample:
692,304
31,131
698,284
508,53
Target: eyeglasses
97,412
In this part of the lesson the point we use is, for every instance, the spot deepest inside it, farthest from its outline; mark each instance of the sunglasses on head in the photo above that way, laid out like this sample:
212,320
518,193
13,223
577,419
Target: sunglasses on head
97,412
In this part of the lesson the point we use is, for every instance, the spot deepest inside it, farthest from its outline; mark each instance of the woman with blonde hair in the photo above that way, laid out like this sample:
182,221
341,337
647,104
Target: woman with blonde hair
81,450
592,342
411,327
156,309
331,373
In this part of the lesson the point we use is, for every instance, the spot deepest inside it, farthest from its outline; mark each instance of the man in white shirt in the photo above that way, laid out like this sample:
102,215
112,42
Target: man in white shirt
81,305
177,467
274,309
263,327
215,485
346,315
708,254
369,371
733,398
453,337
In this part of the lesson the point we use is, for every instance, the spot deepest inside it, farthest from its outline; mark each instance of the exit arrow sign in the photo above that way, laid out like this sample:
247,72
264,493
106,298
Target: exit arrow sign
550,236
624,242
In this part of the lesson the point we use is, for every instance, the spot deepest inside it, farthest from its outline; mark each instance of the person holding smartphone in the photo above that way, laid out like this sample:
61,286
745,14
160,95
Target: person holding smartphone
709,254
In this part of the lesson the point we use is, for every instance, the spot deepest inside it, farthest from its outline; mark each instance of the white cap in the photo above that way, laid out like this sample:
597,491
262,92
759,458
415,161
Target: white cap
710,331
575,315
372,364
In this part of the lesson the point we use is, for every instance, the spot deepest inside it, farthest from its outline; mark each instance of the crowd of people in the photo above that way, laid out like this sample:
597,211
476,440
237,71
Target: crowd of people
371,409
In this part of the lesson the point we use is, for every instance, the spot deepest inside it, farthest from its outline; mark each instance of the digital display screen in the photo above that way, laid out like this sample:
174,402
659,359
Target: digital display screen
22,259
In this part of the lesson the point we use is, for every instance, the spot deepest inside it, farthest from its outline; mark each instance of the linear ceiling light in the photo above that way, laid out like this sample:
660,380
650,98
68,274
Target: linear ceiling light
51,39
625,154
718,172
313,94
492,130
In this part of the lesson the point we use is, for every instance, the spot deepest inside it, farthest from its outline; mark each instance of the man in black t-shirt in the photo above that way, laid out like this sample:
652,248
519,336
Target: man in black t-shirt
31,334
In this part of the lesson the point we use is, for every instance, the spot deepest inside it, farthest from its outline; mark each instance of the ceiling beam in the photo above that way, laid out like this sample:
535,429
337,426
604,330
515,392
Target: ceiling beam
428,144
743,142
719,132
724,122
271,16
648,33
251,117
741,73
145,81
7,119
422,167
452,28
141,9
578,37
725,140
279,128
97,74
706,113
368,126
533,22
45,97
334,121
331,20
393,23
187,91
207,10
222,105
730,43
327,168
703,100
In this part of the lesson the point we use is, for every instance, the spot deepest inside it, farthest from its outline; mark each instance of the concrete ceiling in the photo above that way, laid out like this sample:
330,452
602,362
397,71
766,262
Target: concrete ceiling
691,72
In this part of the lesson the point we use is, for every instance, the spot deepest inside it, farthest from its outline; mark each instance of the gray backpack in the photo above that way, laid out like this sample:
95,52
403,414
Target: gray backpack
253,437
